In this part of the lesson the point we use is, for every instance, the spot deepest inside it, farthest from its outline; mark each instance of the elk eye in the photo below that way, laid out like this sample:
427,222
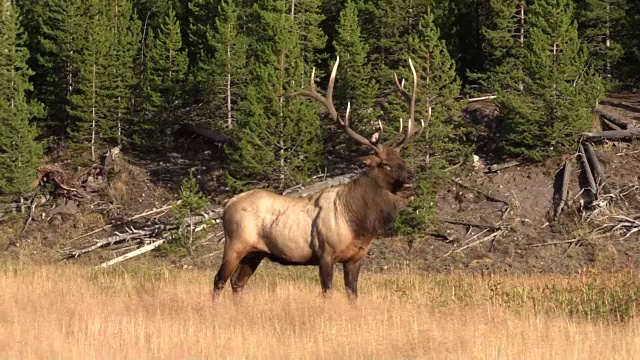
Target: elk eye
386,166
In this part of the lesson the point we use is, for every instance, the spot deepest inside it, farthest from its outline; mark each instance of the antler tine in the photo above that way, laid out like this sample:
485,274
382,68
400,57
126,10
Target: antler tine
332,80
346,115
377,137
327,101
313,79
401,89
412,106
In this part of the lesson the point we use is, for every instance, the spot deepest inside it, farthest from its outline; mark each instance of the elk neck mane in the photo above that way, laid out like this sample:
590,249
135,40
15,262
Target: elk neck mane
370,206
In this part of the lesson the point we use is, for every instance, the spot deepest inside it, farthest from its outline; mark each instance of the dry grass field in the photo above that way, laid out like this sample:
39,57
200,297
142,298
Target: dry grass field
74,312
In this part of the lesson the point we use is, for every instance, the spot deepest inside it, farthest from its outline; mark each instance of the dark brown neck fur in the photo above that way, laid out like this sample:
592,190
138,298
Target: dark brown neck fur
371,207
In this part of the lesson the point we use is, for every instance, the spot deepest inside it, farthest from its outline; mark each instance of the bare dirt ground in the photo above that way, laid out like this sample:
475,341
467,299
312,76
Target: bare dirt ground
529,192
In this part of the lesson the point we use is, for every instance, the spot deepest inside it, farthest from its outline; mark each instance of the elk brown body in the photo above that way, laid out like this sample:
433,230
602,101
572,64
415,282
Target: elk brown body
335,225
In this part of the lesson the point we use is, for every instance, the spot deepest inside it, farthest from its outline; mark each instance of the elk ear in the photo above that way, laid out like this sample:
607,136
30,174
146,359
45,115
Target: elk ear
371,161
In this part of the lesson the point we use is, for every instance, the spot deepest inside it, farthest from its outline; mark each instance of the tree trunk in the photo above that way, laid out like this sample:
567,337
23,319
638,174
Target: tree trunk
596,168
229,115
93,115
618,121
612,135
215,137
586,170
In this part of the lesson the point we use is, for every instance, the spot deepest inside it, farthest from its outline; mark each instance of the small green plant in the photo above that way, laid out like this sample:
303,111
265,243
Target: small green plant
420,211
192,202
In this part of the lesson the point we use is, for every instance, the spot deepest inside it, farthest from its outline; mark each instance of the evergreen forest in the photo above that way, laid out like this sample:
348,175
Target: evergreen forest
80,77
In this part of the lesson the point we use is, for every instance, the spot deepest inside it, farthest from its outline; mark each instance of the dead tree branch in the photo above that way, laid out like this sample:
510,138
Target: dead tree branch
628,134
31,212
484,239
134,253
106,227
564,189
465,223
588,174
498,167
489,197
596,168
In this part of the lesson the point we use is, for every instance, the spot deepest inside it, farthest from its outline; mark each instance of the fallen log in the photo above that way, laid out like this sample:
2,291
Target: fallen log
498,167
616,120
299,191
211,135
296,191
482,98
621,105
611,125
572,241
146,213
215,214
564,189
134,253
596,168
588,174
108,242
628,134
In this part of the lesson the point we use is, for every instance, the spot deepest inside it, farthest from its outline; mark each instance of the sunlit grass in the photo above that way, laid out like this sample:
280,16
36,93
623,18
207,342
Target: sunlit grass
73,312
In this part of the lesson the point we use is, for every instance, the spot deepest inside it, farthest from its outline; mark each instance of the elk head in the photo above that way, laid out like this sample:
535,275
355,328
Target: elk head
385,165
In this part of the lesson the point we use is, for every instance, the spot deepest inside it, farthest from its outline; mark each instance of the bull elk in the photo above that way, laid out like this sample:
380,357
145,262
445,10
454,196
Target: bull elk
334,225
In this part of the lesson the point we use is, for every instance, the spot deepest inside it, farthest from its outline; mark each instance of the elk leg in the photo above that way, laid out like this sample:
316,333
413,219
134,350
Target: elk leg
351,274
247,267
230,261
326,275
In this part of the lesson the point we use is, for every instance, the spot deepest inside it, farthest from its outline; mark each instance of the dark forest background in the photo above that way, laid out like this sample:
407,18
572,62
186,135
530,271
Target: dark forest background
78,77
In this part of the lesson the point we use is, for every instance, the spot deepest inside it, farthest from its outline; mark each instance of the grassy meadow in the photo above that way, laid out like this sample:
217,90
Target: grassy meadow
142,312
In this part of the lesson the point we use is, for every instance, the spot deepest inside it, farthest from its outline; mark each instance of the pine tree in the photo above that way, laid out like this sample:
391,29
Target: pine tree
386,24
199,43
167,62
503,47
161,72
192,203
438,87
151,12
600,23
632,41
355,81
464,39
19,153
560,88
279,140
145,128
229,65
126,30
443,140
57,28
88,104
307,16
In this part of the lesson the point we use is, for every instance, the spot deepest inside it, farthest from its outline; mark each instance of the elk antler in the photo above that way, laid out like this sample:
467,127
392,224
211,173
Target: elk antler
327,101
411,99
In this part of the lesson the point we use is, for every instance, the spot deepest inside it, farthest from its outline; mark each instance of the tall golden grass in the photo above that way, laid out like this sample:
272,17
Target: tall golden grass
73,312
